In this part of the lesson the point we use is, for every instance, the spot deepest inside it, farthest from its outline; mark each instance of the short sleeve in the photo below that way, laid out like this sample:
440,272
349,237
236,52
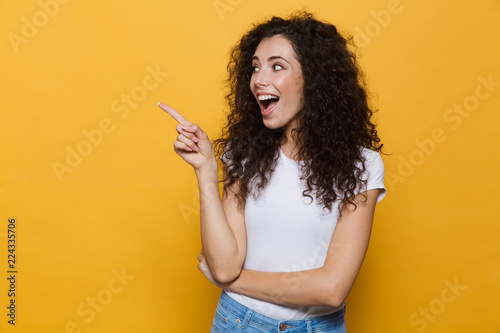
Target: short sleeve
374,173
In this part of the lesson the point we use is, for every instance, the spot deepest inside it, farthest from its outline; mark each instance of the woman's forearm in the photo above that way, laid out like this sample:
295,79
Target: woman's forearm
218,240
304,288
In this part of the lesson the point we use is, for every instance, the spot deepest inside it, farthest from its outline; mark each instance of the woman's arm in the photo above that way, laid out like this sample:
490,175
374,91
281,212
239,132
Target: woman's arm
223,234
327,285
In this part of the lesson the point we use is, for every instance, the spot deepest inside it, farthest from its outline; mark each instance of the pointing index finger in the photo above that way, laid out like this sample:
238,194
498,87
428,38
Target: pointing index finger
174,114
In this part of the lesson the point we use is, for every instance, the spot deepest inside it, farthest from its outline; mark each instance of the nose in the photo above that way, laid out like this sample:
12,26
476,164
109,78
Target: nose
261,84
261,79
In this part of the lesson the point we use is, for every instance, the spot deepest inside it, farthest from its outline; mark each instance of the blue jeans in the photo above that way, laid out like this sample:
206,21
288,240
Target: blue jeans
231,316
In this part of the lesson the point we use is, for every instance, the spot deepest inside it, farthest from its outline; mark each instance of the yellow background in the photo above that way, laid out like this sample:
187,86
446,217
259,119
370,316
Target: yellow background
129,206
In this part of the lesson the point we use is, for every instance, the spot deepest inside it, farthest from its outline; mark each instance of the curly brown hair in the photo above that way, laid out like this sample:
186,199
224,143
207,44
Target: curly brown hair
334,121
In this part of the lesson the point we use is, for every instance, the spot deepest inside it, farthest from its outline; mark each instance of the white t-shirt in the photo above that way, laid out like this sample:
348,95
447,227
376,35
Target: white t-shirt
285,233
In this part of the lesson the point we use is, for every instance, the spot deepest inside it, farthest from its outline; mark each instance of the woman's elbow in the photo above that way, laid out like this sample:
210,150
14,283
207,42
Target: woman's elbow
226,276
335,301
334,297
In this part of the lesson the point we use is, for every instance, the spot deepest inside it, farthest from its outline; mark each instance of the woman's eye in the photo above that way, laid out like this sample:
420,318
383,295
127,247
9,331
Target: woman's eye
255,69
277,67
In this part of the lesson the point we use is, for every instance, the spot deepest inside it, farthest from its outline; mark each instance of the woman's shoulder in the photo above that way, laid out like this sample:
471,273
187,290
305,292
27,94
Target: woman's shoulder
372,159
370,154
373,173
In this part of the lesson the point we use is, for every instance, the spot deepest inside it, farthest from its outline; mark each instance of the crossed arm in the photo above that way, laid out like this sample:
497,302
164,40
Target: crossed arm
223,236
327,285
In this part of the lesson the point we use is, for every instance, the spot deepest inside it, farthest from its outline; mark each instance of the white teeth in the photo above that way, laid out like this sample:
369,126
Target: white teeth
266,97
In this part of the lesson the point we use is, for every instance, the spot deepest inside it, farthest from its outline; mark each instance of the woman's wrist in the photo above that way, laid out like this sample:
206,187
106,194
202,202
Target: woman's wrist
208,170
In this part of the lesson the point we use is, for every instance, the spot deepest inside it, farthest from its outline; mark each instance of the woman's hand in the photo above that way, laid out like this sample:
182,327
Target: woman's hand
192,143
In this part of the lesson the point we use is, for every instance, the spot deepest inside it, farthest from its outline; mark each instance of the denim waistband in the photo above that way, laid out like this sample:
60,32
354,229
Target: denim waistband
250,317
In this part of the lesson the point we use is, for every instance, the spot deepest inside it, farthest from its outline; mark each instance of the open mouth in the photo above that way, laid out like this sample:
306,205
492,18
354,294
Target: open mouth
268,103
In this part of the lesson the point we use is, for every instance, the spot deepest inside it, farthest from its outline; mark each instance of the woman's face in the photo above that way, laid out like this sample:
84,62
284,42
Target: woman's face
277,82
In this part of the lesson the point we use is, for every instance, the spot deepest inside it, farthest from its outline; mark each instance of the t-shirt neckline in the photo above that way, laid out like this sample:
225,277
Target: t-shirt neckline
288,159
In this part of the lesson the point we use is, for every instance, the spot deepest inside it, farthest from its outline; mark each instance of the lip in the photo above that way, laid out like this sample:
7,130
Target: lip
262,93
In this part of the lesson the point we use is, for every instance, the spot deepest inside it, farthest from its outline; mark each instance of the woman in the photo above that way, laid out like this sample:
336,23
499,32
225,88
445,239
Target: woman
302,176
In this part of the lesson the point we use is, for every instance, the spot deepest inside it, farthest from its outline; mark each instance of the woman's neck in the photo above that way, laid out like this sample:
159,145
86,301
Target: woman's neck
290,147
290,143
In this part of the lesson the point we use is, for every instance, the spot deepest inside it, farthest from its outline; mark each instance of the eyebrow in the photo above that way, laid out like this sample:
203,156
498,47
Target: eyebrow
271,58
